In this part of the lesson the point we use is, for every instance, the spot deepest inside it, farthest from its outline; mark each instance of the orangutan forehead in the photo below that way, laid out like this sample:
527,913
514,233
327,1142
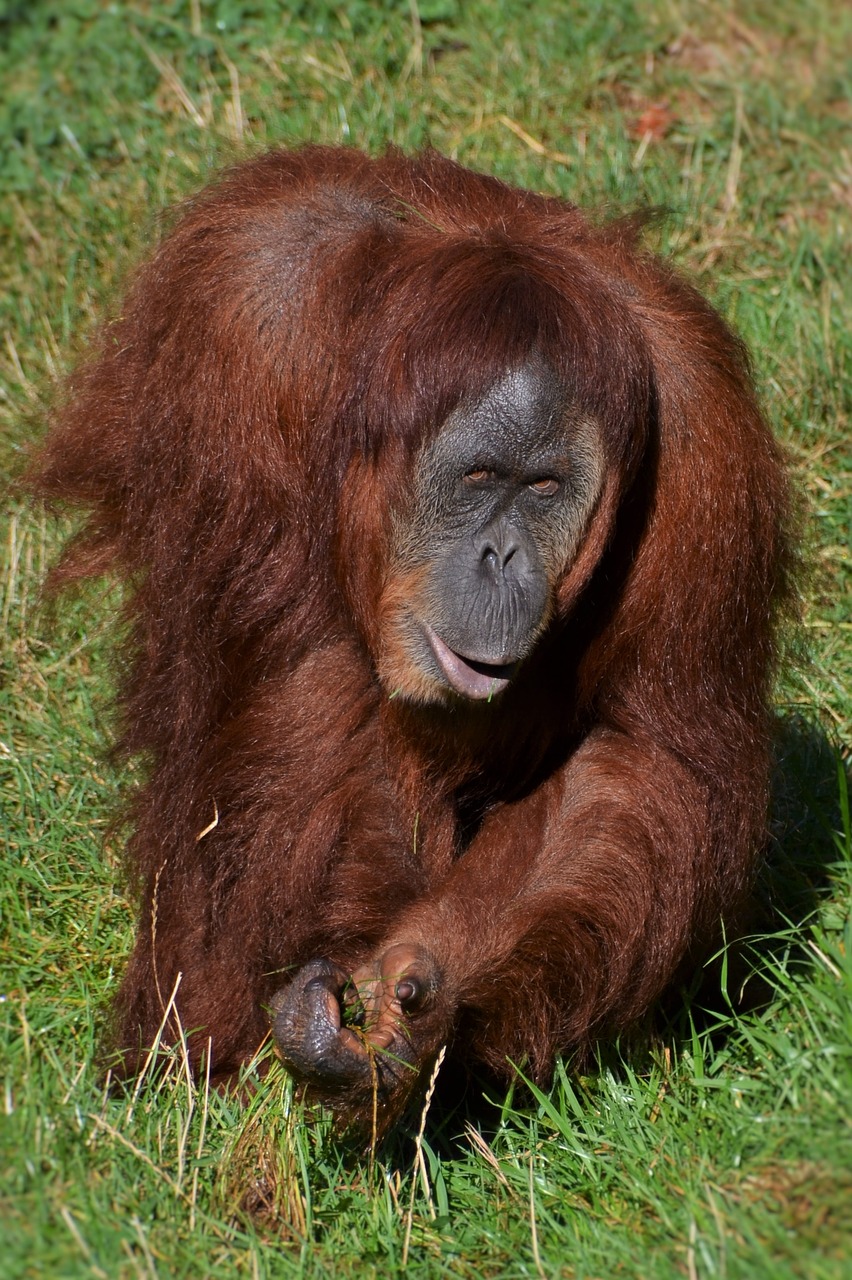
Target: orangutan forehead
524,418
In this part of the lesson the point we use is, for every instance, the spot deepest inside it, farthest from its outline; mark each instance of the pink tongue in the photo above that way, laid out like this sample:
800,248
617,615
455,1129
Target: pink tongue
464,678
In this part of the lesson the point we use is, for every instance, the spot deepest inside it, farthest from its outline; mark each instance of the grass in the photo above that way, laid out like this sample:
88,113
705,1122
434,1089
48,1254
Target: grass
723,1149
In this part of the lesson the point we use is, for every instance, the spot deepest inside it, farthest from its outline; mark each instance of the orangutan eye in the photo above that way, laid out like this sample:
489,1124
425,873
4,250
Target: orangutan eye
479,476
547,486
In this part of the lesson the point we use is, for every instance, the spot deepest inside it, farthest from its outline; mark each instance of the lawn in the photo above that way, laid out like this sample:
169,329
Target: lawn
722,1145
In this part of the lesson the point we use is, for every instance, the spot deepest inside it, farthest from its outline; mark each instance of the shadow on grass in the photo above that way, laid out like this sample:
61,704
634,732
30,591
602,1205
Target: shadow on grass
807,815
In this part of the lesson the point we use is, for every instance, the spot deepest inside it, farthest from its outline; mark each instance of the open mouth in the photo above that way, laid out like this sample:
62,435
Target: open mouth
468,676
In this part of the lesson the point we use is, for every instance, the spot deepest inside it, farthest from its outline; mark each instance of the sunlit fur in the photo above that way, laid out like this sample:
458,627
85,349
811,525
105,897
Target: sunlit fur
242,437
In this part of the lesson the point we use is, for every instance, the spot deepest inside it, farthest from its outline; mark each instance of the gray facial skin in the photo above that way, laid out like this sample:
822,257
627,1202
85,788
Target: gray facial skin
503,497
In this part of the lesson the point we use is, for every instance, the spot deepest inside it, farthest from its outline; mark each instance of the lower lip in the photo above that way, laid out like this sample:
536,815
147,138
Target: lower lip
464,678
